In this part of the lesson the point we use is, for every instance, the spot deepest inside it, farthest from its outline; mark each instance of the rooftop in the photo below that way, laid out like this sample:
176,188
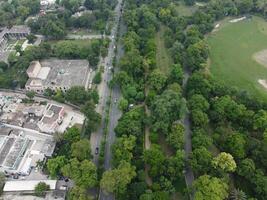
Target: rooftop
15,186
59,73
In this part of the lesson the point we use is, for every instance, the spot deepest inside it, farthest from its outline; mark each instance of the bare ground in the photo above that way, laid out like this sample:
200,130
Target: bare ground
261,57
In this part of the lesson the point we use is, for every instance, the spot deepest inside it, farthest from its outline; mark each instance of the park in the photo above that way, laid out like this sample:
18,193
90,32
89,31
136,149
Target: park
238,56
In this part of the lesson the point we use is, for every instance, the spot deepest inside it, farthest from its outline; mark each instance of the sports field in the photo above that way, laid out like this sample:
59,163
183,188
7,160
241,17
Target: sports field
237,55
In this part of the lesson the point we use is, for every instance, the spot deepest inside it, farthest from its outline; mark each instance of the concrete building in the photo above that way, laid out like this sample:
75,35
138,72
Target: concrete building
24,190
52,118
15,32
20,151
57,75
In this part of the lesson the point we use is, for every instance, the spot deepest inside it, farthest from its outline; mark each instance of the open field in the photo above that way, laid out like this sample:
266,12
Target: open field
184,10
237,53
163,59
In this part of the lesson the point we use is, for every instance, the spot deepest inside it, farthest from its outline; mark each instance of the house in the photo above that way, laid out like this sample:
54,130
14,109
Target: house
52,118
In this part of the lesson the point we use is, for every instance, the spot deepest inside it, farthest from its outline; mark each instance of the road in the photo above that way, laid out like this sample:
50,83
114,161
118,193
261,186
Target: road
189,176
114,114
86,37
103,88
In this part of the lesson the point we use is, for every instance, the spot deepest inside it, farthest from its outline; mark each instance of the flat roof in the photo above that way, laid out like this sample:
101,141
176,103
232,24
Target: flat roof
25,185
66,72
60,73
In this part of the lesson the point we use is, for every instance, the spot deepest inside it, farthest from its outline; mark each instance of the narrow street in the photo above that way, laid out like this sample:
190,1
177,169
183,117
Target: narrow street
189,176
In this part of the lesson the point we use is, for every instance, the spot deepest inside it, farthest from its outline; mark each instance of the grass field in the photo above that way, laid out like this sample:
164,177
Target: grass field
231,55
184,10
163,58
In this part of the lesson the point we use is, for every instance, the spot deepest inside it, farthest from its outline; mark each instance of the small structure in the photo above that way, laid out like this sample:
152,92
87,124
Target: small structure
27,186
52,118
57,75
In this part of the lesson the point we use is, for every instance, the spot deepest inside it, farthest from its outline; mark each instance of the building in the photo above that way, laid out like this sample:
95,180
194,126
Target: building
25,189
20,151
52,118
27,186
15,32
57,74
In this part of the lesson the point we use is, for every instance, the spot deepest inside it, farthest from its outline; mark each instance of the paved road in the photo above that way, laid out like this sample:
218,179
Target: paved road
189,176
86,37
114,114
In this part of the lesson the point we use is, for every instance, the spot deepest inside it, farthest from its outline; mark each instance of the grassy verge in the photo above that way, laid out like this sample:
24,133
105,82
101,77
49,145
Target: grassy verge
163,58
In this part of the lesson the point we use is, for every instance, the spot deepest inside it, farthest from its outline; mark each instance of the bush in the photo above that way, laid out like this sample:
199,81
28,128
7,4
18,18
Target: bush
98,78
40,189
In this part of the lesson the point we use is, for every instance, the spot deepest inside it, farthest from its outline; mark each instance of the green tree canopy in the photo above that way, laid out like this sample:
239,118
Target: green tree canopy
81,150
41,188
210,188
116,180
224,161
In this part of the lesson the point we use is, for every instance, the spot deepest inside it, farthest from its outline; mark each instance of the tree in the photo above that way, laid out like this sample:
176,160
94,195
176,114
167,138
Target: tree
165,110
176,136
175,165
197,101
200,160
3,65
41,188
116,180
157,80
199,118
2,182
260,120
83,173
196,55
31,38
98,78
246,168
224,161
237,194
201,139
235,144
176,74
30,94
77,95
131,123
54,165
155,158
93,118
79,193
81,150
123,104
210,188
72,134
122,149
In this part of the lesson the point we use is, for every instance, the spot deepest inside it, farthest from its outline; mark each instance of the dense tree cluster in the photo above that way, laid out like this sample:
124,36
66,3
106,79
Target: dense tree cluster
228,126
55,25
72,161
15,12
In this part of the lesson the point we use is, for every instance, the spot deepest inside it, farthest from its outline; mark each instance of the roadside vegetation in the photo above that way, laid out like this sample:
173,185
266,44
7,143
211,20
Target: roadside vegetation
228,158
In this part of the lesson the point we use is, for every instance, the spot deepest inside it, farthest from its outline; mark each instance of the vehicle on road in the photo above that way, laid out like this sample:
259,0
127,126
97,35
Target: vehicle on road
96,150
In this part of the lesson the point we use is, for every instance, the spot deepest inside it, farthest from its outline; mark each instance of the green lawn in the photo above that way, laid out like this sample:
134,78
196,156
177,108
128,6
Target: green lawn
231,53
78,42
163,58
184,10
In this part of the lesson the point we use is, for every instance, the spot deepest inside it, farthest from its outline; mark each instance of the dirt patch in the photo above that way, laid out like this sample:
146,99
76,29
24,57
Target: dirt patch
261,57
263,83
